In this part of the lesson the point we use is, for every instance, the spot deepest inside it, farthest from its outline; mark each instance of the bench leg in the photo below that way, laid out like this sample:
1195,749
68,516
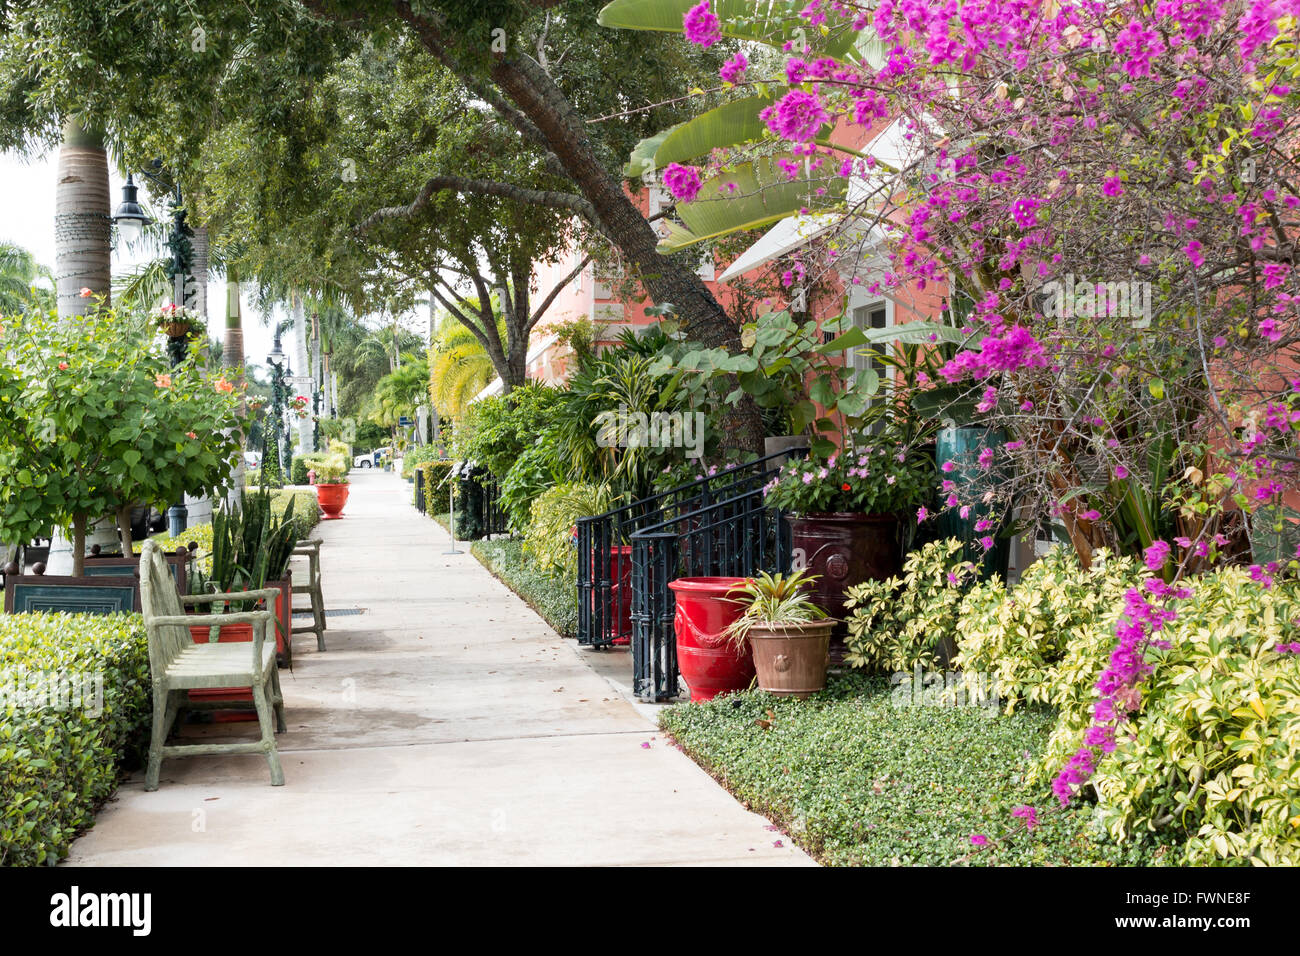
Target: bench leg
268,735
158,737
277,702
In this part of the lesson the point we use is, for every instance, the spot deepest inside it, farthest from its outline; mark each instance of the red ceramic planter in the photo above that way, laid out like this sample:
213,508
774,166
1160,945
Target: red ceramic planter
618,611
244,632
706,657
332,498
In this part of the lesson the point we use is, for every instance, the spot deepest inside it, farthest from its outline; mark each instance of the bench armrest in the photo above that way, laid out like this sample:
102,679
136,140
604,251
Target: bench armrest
207,620
268,593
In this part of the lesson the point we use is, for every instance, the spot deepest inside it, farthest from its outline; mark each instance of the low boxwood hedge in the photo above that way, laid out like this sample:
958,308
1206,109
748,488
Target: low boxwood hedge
61,753
435,491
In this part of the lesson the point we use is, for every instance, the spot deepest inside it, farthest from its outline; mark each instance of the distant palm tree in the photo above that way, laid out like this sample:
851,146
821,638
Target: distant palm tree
459,368
19,277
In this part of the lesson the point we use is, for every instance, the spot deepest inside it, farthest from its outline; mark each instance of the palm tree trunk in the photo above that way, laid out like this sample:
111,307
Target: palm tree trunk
305,444
82,228
199,241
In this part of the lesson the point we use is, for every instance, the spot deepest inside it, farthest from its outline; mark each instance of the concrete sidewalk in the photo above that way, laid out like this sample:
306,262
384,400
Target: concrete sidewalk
446,724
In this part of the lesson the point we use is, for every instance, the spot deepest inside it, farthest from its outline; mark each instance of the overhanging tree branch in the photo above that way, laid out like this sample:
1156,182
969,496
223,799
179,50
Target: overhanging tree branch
553,199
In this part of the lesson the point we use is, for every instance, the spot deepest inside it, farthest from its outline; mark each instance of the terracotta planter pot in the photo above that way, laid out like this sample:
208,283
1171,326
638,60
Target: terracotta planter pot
791,660
706,656
844,548
332,498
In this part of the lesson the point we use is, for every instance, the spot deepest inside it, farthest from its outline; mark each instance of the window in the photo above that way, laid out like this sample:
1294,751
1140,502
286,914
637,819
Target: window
868,317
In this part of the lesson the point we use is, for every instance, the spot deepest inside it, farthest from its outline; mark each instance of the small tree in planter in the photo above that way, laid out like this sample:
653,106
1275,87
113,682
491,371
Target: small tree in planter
96,421
330,470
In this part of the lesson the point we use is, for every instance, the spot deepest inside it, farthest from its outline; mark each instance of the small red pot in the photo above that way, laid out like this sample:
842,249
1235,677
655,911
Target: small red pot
332,498
706,656
229,633
618,609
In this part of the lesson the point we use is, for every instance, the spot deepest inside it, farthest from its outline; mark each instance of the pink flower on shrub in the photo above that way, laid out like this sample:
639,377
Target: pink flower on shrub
733,71
797,116
979,839
922,513
1156,555
682,181
1111,186
1028,814
701,25
1270,330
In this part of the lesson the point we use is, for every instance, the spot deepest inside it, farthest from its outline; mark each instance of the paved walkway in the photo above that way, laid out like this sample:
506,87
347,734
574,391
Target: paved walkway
445,725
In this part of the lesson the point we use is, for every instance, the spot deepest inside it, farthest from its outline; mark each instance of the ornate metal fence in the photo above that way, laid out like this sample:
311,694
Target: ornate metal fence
716,525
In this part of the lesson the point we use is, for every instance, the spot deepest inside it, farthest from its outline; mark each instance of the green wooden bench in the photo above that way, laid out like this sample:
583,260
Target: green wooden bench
178,664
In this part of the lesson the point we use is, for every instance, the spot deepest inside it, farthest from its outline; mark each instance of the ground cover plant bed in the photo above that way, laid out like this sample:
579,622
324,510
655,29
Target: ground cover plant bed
855,780
550,597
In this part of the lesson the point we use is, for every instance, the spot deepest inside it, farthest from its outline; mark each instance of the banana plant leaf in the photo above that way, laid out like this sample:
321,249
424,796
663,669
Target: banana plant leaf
747,197
773,22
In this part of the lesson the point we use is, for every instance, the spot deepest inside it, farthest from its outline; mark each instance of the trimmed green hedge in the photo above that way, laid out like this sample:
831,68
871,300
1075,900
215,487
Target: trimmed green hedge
435,492
546,594
59,763
855,777
306,512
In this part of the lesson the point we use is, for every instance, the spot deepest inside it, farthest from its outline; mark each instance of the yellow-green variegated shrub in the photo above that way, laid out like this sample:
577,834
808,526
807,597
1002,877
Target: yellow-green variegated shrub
1021,636
902,622
1215,748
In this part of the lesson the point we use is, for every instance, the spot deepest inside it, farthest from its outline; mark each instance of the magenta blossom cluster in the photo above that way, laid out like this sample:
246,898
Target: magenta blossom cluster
1146,611
701,25
1011,351
797,116
682,181
733,71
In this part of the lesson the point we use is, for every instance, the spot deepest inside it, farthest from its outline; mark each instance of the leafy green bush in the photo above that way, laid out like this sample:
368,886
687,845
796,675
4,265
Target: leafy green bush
858,780
1214,751
416,456
298,470
1020,636
554,515
495,431
899,623
57,764
533,473
437,486
306,511
551,597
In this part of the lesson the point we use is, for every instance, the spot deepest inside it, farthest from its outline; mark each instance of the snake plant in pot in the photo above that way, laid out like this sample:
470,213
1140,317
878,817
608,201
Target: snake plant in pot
251,548
787,632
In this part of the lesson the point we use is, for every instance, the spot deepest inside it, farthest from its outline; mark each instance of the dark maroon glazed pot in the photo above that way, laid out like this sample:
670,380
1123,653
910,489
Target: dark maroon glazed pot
844,548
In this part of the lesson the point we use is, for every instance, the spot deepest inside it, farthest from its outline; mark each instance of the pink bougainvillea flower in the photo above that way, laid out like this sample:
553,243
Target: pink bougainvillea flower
701,25
797,116
1121,472
1270,330
948,466
1193,252
979,839
986,542
1111,186
922,513
682,181
162,380
1028,814
733,71
1156,555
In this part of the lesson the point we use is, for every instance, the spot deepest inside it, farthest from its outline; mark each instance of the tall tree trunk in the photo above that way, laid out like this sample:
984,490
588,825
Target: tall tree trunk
78,545
82,228
202,263
124,529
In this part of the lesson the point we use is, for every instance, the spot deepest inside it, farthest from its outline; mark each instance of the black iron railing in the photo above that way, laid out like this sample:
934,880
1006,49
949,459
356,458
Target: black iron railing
479,510
419,489
716,525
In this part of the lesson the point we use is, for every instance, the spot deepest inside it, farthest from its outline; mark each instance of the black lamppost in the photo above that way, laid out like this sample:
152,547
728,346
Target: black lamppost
276,359
130,219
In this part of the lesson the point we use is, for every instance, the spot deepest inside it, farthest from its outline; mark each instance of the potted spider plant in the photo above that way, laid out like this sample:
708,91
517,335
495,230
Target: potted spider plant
787,633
